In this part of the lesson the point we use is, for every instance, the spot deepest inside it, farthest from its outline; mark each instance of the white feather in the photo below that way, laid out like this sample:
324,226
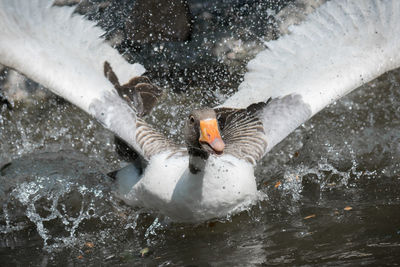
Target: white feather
226,186
65,53
342,45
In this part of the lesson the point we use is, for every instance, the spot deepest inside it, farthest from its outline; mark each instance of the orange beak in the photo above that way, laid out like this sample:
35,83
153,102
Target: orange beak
209,134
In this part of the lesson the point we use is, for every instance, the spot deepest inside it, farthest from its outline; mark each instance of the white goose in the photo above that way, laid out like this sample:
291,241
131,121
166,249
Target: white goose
342,45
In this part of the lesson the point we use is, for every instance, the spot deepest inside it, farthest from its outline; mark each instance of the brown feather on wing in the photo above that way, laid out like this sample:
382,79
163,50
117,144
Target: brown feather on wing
139,92
141,95
242,131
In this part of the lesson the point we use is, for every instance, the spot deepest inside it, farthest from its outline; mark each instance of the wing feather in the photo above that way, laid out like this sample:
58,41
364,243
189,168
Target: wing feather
339,47
65,53
243,132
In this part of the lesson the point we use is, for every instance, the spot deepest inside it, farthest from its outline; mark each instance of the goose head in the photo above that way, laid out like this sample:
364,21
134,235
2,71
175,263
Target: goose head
202,133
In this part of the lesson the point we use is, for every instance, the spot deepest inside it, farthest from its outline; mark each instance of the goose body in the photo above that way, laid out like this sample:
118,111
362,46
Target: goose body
338,48
226,186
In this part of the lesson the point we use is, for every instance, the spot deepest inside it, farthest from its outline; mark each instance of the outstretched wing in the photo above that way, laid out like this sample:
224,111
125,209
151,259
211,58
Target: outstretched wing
342,45
65,53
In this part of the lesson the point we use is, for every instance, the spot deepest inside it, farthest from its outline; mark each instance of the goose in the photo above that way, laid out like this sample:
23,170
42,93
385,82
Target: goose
339,47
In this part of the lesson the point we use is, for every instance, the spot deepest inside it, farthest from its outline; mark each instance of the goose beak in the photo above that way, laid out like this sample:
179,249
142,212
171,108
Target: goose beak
210,135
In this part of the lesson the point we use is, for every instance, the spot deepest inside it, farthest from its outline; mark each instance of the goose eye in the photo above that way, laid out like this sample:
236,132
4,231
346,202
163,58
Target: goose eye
191,119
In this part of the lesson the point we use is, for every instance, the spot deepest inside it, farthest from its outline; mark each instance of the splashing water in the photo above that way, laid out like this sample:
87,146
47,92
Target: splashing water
51,197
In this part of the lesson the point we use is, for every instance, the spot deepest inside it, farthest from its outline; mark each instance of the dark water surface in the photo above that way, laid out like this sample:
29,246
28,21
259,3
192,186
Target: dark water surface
332,188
